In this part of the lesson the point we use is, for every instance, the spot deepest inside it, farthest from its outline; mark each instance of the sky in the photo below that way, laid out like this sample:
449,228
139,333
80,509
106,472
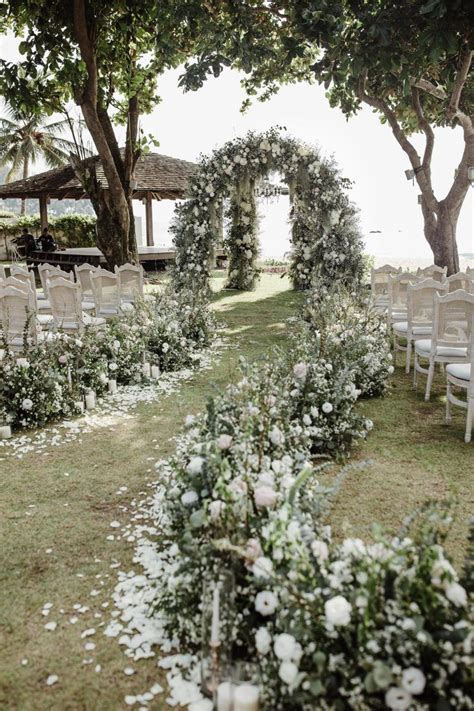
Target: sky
188,124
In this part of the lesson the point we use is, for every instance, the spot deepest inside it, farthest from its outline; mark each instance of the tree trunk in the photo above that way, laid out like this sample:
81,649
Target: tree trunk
441,235
25,175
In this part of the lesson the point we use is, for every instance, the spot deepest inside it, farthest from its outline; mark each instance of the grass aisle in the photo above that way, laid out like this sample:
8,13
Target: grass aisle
54,528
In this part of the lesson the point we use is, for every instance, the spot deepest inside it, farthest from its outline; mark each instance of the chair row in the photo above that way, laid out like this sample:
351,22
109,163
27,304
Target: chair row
64,304
438,326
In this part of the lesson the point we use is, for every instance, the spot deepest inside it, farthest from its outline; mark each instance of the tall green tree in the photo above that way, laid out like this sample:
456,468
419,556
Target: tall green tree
106,57
26,138
411,62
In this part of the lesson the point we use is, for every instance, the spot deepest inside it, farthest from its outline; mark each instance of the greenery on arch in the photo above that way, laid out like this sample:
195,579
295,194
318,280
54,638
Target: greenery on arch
325,236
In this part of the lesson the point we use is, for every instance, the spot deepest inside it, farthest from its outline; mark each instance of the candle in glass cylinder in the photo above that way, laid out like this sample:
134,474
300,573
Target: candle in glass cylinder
146,370
5,432
245,698
155,372
215,617
90,400
112,386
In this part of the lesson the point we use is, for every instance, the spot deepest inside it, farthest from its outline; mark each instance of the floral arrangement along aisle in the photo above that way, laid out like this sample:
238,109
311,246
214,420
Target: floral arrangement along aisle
325,236
318,624
48,381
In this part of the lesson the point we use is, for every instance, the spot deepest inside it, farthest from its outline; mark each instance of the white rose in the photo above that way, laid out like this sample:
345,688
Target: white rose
189,498
189,421
266,602
276,436
397,699
224,441
263,640
284,646
327,407
165,347
288,672
320,550
456,594
413,680
216,508
116,345
27,404
338,611
195,465
263,567
300,370
113,366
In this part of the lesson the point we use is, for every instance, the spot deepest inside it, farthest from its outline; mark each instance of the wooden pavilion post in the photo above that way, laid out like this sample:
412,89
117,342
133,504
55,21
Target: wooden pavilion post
43,206
149,220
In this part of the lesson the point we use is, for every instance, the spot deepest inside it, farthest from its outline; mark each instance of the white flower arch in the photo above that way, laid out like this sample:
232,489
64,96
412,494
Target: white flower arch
325,235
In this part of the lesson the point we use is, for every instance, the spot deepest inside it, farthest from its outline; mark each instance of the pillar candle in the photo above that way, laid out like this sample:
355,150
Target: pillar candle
155,372
146,370
246,697
5,432
90,400
225,696
112,386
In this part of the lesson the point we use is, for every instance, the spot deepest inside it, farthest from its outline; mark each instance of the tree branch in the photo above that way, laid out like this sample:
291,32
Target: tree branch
86,48
423,179
461,76
437,91
426,128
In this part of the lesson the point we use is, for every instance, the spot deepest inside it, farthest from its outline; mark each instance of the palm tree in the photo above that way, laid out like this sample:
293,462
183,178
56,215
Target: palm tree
25,138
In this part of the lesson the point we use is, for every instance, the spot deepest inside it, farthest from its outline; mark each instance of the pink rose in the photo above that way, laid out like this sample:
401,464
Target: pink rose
265,496
253,550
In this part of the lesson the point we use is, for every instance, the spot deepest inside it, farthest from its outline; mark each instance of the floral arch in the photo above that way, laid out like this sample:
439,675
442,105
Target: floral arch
325,235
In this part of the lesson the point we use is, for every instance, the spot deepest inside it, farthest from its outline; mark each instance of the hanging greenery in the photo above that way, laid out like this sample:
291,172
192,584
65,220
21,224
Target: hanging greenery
326,240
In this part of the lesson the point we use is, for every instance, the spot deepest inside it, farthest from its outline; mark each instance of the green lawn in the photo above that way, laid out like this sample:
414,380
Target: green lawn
413,456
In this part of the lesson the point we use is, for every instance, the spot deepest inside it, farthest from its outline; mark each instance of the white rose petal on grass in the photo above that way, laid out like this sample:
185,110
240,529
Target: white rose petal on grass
115,524
51,626
52,679
130,700
266,602
413,680
398,699
288,672
338,611
24,662
89,646
88,633
129,671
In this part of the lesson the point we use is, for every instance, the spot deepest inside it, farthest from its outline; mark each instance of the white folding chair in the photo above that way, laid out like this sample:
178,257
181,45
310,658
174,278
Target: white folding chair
130,282
449,340
26,282
379,285
432,272
18,317
397,309
65,299
3,274
23,274
420,313
461,280
106,293
461,375
83,277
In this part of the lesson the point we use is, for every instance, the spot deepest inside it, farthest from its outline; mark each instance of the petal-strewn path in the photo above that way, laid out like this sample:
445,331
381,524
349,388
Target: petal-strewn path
61,513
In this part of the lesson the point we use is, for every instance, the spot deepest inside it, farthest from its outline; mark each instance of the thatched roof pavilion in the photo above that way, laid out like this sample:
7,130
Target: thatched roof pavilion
157,177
